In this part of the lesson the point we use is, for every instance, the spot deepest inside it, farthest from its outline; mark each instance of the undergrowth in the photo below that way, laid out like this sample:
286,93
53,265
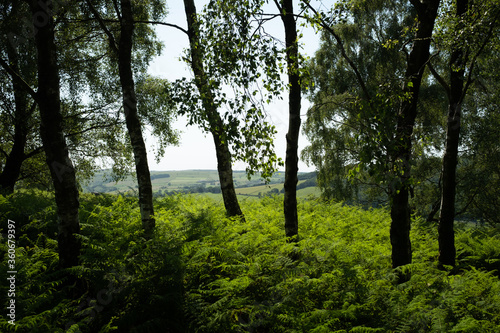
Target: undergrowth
204,272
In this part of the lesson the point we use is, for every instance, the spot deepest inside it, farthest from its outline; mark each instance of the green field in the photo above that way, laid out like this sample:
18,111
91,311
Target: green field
249,194
192,180
256,191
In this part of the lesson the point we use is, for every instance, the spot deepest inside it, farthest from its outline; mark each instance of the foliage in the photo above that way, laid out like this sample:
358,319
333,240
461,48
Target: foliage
158,110
204,272
154,105
241,63
357,77
93,126
350,137
18,120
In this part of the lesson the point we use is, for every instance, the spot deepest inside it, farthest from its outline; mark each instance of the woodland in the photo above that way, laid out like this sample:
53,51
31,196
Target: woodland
403,131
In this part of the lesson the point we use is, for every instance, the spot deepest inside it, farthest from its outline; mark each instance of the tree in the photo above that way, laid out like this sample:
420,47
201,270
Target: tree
455,92
18,112
335,122
123,54
224,166
400,156
285,8
51,132
474,37
355,76
390,112
227,53
478,172
93,131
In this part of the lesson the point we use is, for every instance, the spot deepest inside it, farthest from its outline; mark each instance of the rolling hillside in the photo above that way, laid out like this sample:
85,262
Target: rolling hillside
201,181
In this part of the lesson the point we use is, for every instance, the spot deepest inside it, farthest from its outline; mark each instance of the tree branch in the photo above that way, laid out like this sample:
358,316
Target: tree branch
163,23
464,209
135,21
473,62
34,152
117,10
19,79
280,8
89,129
112,41
440,79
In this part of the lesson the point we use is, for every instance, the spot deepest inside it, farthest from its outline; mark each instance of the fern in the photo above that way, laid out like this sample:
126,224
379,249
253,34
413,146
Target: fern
204,272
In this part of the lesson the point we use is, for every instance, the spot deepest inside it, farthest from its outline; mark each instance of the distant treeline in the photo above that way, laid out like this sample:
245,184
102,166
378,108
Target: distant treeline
306,176
160,175
189,190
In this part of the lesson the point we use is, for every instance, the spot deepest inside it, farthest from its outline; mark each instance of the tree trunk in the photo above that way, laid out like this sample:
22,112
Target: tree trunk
400,228
14,161
22,115
51,131
294,104
12,169
216,125
435,208
401,155
446,234
225,170
132,119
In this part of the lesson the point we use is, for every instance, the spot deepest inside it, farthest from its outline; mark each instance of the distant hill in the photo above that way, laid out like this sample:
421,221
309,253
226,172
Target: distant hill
198,181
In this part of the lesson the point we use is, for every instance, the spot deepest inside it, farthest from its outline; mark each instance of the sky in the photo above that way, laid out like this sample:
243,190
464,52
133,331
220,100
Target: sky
196,149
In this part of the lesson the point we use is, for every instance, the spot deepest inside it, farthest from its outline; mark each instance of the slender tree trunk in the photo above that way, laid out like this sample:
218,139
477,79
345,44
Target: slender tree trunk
225,170
401,155
294,104
224,166
51,131
400,229
22,115
12,169
446,234
13,163
435,208
132,119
